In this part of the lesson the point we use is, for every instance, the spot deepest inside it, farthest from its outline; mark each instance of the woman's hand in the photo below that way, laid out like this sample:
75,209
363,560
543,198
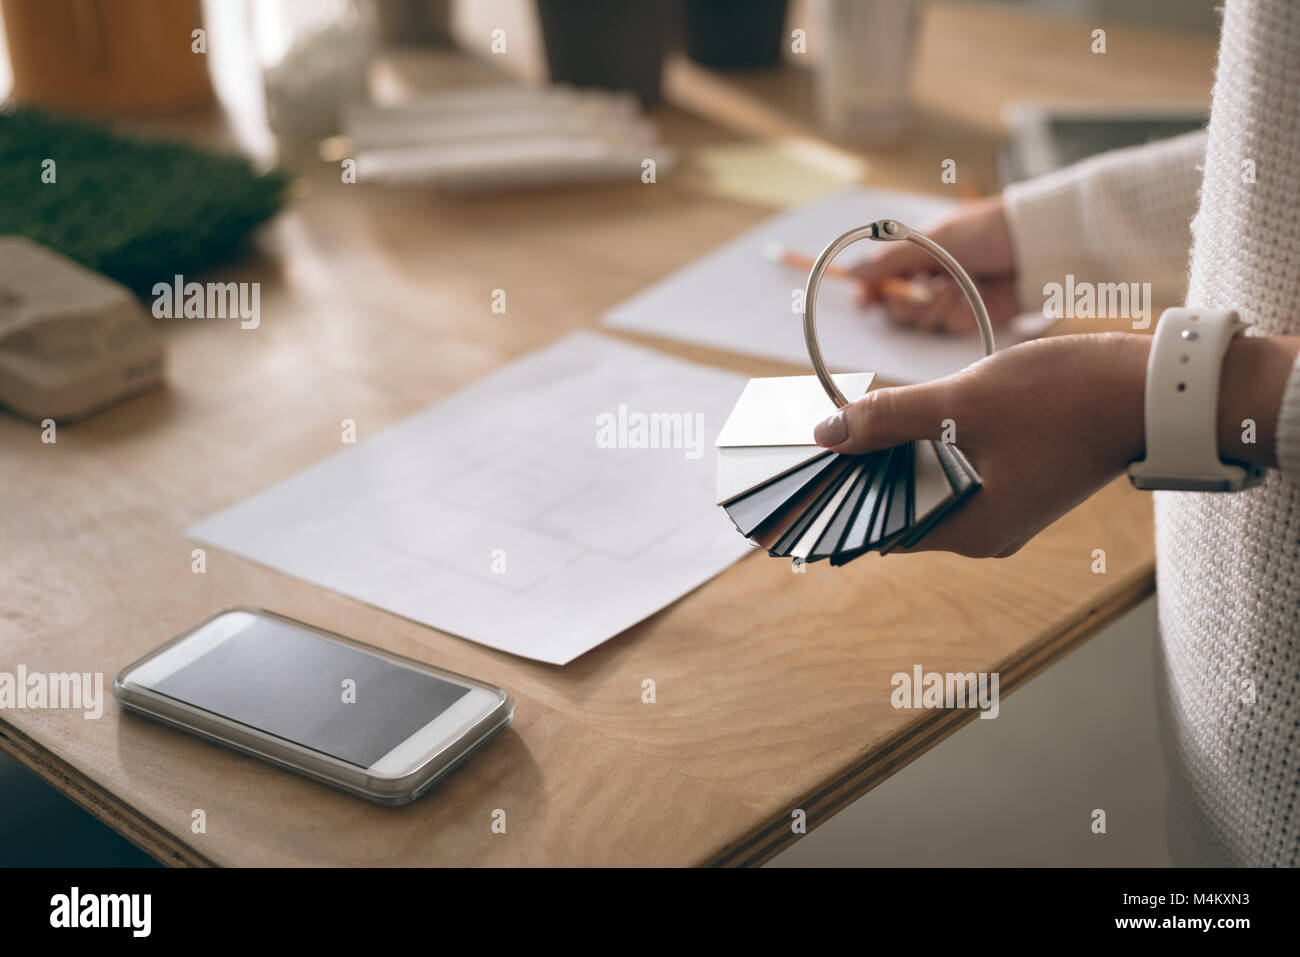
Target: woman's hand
1045,423
978,236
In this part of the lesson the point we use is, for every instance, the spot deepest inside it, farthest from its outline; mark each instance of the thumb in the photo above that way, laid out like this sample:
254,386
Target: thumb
884,418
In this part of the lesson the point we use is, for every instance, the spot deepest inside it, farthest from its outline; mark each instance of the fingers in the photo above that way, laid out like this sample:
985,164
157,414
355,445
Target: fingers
892,260
980,527
884,418
948,311
1015,546
944,299
977,234
965,533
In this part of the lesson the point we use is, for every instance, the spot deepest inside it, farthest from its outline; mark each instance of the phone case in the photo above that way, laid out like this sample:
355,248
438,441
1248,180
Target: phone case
384,789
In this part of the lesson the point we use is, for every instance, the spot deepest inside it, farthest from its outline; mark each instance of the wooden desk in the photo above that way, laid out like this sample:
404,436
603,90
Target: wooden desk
773,687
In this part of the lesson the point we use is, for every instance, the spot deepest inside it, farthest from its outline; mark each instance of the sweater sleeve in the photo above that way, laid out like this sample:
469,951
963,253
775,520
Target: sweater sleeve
1287,439
1123,216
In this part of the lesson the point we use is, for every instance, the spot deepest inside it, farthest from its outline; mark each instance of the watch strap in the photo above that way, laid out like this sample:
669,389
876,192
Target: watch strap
1182,405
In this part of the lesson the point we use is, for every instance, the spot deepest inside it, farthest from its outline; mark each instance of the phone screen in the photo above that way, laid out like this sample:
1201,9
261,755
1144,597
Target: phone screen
315,692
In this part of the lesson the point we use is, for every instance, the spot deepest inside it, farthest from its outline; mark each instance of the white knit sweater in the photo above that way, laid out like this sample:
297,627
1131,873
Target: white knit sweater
1228,573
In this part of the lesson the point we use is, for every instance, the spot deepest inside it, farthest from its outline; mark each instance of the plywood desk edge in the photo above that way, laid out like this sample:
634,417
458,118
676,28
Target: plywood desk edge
140,830
765,842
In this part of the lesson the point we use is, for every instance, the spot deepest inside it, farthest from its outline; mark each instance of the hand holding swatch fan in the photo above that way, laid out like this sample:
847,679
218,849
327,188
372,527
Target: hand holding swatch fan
801,501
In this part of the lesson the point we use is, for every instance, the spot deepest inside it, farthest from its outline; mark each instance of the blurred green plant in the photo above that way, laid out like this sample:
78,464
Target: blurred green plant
138,211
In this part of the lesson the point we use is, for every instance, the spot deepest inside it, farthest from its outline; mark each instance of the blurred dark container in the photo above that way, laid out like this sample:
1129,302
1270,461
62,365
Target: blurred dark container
615,46
426,22
735,34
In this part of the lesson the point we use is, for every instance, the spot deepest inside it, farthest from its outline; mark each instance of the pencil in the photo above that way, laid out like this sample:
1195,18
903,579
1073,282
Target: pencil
889,286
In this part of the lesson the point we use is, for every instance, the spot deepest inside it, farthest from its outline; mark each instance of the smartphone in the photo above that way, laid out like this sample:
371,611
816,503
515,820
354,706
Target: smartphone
375,724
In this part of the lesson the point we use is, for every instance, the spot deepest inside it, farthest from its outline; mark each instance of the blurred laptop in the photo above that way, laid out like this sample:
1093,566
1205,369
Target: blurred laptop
1043,137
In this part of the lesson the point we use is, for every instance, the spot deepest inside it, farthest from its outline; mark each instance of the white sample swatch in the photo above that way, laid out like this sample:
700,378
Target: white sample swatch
745,468
784,410
542,510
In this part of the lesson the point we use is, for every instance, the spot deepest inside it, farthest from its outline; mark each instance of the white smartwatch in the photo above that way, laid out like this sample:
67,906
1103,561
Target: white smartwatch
1182,406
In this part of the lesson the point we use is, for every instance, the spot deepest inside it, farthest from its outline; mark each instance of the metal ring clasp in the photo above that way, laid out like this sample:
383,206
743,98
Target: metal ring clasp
882,230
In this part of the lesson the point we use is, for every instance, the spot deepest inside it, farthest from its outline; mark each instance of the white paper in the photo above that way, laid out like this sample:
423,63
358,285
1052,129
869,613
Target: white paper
496,516
736,299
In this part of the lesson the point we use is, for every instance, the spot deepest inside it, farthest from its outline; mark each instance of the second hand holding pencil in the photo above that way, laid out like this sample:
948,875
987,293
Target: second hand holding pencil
891,286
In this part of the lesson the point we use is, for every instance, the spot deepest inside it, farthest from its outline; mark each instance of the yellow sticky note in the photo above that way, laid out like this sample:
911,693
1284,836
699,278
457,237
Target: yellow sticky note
778,174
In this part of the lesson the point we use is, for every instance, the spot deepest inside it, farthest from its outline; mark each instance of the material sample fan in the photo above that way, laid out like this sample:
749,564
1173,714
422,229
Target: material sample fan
803,502
807,503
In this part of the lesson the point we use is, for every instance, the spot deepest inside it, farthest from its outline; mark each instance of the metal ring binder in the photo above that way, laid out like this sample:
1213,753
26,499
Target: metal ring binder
882,230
